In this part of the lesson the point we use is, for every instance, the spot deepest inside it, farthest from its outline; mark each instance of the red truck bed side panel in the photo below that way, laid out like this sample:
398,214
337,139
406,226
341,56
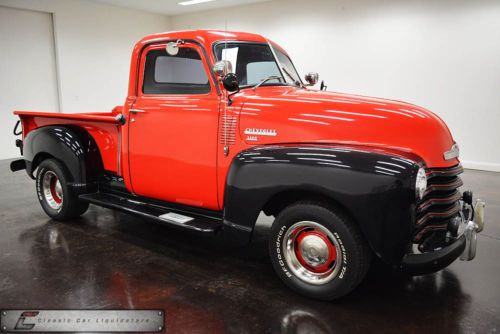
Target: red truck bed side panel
102,127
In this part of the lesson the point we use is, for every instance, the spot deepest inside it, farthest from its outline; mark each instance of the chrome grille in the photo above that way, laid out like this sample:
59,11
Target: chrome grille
440,202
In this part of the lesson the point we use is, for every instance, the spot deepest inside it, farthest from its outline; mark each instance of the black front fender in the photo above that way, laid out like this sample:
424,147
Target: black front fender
376,189
71,145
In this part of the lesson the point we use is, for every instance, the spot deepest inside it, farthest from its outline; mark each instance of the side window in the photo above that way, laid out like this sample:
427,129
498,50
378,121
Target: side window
183,73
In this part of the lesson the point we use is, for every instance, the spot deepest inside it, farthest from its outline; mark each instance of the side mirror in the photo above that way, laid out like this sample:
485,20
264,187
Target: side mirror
222,68
312,78
230,82
172,48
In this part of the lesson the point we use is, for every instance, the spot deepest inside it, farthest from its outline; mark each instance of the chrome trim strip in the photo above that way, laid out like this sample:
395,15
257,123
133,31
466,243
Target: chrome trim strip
176,217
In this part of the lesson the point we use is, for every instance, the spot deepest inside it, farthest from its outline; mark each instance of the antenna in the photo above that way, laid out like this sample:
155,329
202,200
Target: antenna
225,34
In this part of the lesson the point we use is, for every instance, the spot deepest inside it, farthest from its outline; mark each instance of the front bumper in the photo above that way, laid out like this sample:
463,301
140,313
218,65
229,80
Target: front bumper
464,245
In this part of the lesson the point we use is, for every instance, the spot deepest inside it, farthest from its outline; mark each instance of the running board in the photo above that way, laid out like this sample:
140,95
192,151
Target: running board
163,214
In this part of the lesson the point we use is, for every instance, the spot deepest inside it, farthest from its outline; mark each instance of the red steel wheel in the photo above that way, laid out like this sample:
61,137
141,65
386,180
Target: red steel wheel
52,190
311,251
315,250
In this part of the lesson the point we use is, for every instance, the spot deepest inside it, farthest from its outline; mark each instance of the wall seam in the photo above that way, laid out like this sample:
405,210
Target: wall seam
56,60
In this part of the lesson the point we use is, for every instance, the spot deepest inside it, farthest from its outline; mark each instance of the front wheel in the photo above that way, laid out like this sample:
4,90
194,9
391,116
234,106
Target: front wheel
54,194
317,251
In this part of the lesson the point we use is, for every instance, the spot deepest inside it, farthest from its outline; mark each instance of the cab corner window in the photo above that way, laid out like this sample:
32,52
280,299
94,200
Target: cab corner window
183,73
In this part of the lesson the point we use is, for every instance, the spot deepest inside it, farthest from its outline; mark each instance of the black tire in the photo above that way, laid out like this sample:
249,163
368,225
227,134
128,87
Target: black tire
355,255
68,205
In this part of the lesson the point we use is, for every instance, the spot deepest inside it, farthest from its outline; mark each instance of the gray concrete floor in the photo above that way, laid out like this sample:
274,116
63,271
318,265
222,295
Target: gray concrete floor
111,260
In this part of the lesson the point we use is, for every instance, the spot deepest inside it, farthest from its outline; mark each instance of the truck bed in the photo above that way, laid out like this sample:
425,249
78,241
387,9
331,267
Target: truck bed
102,126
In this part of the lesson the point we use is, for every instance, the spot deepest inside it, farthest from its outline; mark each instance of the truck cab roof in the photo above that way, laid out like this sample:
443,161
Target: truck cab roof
204,36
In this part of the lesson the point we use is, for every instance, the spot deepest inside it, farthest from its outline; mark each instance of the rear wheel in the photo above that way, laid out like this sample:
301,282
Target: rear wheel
318,251
54,194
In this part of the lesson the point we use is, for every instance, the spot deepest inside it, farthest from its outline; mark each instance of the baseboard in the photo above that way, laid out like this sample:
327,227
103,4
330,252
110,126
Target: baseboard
487,166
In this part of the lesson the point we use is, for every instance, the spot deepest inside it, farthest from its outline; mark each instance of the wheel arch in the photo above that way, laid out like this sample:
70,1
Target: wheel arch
279,201
72,146
37,160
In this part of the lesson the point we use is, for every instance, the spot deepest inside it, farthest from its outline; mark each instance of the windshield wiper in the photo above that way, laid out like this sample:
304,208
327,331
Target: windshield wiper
295,82
272,77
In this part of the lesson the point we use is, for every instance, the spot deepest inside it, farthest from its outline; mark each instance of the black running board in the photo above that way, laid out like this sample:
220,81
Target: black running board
164,214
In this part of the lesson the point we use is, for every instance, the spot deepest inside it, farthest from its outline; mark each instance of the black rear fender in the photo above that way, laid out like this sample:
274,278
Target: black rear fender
72,146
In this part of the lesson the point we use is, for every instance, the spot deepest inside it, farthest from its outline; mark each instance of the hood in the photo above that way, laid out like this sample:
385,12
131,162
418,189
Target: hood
278,115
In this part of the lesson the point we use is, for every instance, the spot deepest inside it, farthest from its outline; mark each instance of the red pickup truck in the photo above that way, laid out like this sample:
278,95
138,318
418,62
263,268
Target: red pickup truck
218,127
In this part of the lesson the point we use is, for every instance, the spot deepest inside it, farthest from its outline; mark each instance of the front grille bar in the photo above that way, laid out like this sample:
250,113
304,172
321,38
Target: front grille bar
441,201
454,184
447,172
450,212
454,197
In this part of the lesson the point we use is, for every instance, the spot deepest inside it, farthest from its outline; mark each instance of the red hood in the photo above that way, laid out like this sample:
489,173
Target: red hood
272,115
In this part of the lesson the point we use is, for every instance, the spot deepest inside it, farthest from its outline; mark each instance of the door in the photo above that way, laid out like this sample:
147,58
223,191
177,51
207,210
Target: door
173,128
27,69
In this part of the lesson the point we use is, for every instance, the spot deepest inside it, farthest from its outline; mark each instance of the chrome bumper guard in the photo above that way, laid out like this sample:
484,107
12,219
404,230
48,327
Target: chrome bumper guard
471,229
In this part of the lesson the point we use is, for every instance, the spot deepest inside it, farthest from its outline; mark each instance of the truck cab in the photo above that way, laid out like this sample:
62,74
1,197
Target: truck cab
219,126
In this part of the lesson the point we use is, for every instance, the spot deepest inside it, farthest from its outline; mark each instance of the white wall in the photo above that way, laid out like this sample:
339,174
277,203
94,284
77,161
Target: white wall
35,68
443,55
94,43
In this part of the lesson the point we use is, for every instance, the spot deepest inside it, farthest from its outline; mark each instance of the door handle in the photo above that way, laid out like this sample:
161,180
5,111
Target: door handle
136,111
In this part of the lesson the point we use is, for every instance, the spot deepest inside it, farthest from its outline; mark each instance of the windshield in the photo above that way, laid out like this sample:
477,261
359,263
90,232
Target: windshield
254,62
287,66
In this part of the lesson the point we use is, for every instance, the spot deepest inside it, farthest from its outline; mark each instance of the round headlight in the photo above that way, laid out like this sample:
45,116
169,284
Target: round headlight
420,183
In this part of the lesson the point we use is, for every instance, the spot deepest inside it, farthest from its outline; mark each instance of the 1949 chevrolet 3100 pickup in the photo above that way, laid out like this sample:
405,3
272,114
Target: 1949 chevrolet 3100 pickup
218,127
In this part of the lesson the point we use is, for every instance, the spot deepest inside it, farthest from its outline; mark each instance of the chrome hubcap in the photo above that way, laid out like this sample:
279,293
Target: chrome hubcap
312,252
52,190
